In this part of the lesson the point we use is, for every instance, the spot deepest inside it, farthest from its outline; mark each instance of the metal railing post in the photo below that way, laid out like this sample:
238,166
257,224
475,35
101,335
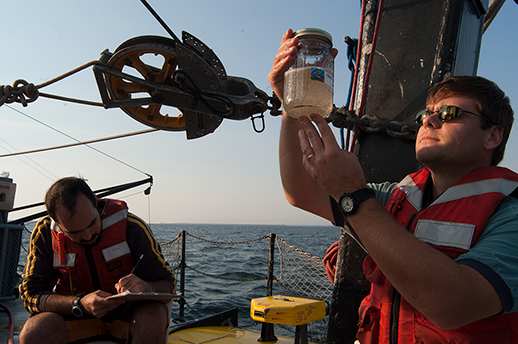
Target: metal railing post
181,301
271,256
267,330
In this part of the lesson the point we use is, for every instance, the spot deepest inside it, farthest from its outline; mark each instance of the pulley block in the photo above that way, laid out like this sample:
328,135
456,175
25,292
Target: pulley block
148,75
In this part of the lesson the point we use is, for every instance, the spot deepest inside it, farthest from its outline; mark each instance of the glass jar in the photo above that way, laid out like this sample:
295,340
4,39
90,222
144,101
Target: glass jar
309,82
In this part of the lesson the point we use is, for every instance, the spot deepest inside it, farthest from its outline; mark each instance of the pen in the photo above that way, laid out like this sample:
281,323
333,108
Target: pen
138,261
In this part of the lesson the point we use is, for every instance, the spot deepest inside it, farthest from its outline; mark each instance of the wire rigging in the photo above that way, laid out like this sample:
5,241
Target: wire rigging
34,162
78,141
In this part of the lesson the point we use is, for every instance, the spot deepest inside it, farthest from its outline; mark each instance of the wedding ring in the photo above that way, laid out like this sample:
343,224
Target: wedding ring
310,156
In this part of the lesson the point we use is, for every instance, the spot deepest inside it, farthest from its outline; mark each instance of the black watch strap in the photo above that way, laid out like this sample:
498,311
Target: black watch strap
363,194
349,202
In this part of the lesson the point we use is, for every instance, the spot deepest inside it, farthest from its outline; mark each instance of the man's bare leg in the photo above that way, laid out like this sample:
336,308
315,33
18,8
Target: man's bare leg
44,328
149,324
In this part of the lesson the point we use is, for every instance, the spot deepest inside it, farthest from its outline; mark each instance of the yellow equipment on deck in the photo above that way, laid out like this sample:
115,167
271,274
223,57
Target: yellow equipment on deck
286,310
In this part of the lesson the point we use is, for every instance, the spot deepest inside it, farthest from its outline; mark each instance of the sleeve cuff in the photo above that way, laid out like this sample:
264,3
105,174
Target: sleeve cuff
496,281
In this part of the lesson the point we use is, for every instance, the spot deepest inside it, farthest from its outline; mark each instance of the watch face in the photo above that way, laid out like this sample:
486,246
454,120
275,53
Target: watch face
347,204
77,311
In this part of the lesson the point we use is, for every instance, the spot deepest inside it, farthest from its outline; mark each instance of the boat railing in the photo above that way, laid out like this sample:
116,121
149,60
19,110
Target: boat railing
10,242
295,271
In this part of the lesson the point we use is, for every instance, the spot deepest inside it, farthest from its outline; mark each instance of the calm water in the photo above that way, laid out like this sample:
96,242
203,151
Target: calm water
206,295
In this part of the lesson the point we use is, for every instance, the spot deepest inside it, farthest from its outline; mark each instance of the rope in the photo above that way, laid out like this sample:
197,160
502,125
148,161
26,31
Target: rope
228,243
172,241
352,47
492,10
21,92
200,95
298,250
220,337
10,338
34,162
81,143
74,139
229,279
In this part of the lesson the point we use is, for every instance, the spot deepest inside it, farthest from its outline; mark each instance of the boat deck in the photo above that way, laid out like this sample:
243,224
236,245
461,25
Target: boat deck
223,334
19,314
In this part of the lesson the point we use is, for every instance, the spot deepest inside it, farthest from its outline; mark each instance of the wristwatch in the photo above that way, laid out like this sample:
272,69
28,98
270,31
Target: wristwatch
349,201
76,307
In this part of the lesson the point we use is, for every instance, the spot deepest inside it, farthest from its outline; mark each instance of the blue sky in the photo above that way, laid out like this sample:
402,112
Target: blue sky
230,176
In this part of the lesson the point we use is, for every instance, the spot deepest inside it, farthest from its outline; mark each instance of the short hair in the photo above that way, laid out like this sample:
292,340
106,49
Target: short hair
491,102
64,192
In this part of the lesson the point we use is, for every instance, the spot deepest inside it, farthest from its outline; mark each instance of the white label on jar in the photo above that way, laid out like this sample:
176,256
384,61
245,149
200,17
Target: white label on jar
322,75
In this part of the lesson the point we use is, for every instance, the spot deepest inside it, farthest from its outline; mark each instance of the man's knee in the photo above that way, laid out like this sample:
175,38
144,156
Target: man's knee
150,321
45,327
152,312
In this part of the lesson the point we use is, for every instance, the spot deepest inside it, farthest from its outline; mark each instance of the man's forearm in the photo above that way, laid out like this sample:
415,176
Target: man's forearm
300,188
61,304
447,293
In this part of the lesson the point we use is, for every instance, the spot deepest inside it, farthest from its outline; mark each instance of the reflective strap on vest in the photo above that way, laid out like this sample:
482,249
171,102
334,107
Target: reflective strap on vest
69,263
113,219
481,187
442,233
116,251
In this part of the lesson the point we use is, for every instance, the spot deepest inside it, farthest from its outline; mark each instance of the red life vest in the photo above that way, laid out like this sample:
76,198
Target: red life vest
446,225
111,255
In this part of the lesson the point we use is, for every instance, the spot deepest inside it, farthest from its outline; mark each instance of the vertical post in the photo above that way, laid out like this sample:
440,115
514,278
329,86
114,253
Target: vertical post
350,288
267,331
301,334
3,253
269,286
181,301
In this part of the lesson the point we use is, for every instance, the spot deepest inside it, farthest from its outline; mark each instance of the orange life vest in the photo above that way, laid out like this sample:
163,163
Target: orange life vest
385,316
110,258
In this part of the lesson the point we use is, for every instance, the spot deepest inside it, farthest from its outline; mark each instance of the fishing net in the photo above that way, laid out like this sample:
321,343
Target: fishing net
302,274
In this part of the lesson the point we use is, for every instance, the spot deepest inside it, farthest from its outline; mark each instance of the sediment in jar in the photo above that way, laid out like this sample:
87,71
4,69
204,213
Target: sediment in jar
308,90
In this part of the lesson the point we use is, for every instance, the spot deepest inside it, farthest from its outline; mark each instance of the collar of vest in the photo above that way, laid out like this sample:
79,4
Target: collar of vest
492,179
111,212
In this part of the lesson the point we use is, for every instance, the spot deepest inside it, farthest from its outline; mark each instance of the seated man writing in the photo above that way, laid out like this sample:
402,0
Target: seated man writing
80,254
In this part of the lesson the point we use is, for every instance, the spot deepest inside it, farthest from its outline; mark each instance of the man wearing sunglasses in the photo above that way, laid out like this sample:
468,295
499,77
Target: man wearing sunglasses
443,243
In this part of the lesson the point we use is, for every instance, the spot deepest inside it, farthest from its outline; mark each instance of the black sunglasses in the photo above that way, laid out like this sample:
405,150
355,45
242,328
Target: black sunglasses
446,113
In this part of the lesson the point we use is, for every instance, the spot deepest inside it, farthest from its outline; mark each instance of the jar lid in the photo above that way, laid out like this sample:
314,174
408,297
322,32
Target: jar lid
311,31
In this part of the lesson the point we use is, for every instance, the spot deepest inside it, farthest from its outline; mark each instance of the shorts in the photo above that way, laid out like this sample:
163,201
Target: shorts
114,326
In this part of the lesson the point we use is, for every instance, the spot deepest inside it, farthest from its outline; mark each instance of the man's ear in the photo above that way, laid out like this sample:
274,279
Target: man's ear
495,137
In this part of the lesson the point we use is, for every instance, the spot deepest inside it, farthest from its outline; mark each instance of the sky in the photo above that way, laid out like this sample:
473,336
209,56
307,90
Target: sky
230,176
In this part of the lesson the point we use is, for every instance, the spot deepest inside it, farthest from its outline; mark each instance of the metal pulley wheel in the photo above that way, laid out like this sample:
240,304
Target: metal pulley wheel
154,59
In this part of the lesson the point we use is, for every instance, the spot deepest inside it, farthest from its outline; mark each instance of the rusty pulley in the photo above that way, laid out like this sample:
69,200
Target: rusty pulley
188,76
